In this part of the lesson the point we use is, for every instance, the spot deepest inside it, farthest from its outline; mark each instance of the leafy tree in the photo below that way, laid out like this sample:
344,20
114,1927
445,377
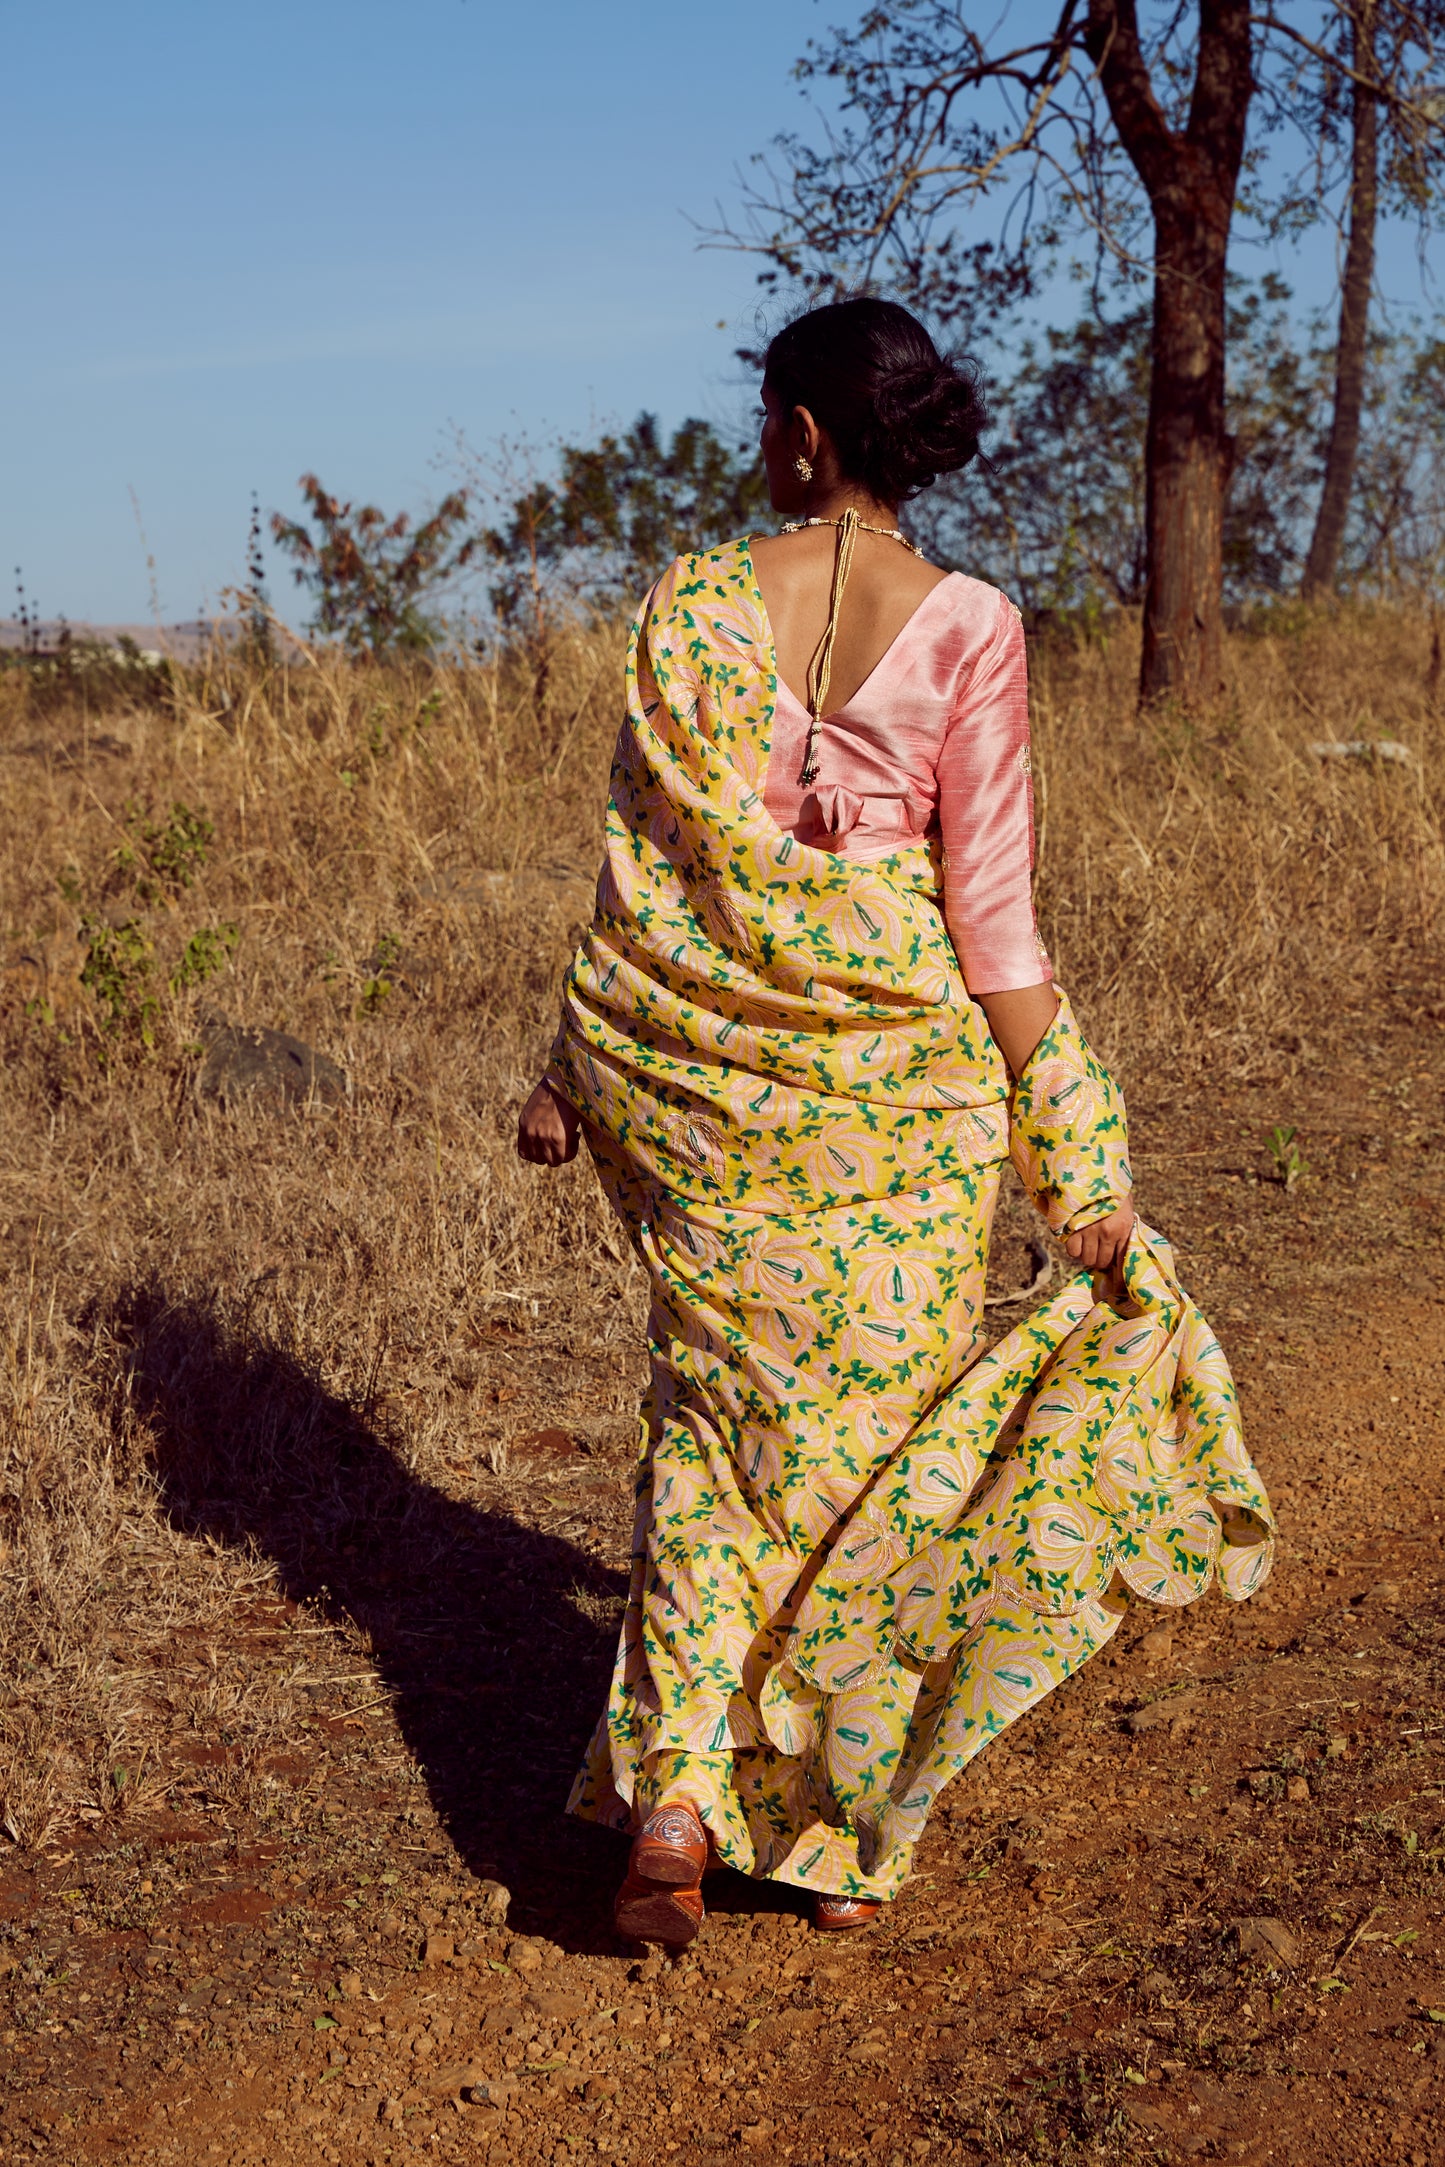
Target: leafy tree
1130,132
1277,393
619,511
1377,107
1395,536
369,576
1056,512
642,502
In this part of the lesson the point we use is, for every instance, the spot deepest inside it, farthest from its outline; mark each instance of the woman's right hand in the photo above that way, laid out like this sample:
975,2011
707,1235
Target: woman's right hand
1100,1247
1101,1244
548,1130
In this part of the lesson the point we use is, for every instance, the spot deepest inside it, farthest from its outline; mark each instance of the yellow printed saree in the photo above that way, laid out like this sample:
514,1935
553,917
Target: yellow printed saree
862,1546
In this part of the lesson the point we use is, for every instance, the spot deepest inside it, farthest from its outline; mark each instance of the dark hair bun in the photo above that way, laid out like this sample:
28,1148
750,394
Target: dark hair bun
898,413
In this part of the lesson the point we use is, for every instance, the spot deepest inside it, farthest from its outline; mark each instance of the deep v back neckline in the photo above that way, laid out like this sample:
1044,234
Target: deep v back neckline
889,651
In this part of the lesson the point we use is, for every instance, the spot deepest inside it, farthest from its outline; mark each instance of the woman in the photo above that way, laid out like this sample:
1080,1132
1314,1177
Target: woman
811,1021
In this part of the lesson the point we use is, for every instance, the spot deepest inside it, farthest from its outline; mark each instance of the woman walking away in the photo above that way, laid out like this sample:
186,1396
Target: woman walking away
811,1021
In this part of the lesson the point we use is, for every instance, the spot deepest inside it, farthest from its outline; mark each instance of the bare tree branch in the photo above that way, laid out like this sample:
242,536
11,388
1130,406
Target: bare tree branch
958,164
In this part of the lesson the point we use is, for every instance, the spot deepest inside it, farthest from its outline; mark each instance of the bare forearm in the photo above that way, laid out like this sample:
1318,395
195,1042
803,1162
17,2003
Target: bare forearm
1018,1020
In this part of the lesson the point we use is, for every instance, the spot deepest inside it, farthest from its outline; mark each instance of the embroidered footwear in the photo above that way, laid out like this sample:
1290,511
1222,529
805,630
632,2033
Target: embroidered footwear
843,1914
671,1847
643,1911
661,1899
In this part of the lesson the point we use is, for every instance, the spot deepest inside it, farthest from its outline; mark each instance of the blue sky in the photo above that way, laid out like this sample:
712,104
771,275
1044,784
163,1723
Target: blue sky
239,244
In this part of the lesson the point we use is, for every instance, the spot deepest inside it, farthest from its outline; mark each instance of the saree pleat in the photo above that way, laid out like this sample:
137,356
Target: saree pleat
862,1545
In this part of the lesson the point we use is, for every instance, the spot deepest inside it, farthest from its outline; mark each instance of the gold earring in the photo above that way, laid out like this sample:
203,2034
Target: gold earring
804,468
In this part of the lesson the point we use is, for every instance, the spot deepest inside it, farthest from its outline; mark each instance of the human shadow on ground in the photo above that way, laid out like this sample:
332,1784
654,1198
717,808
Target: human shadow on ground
494,1639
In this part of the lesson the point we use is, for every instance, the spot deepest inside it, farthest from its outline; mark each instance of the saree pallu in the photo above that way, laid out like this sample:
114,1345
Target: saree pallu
862,1546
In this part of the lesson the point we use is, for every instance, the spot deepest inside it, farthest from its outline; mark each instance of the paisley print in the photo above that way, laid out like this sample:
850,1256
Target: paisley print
863,1546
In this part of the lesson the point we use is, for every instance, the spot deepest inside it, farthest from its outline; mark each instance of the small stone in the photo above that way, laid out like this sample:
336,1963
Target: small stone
797,2020
601,2088
1384,1591
1268,1941
1157,1984
453,2078
245,1061
1160,1712
490,2091
1297,1790
493,1900
559,2008
1157,1645
437,1949
349,1983
524,1955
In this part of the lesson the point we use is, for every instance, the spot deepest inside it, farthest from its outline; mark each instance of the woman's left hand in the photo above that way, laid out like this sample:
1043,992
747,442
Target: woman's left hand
548,1130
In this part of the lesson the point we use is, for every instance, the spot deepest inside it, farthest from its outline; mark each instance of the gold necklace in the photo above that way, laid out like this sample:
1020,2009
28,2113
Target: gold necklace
890,534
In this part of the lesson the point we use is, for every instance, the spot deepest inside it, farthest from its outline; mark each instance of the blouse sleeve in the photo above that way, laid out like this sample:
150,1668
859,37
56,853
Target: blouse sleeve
986,814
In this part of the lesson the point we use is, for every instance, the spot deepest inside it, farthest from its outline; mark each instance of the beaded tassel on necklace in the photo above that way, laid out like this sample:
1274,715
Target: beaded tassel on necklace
821,666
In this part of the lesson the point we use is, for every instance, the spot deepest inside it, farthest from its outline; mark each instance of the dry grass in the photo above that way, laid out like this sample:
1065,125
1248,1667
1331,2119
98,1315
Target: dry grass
1209,889
238,1345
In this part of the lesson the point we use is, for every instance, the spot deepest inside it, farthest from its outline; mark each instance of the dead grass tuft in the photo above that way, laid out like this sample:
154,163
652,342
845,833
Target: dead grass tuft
1212,889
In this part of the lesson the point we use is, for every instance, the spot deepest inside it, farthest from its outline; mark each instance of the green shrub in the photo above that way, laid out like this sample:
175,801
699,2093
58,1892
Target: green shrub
118,963
208,951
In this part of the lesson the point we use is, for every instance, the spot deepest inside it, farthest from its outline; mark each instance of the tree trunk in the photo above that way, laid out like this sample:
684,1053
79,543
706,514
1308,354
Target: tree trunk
1191,178
1187,461
1322,563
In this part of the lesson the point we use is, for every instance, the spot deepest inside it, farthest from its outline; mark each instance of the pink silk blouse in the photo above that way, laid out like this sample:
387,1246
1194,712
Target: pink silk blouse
934,742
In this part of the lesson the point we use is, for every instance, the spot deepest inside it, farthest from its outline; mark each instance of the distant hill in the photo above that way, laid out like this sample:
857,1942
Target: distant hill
184,642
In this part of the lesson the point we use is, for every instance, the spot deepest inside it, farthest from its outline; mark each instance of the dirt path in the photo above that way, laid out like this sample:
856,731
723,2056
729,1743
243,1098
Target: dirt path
310,1964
